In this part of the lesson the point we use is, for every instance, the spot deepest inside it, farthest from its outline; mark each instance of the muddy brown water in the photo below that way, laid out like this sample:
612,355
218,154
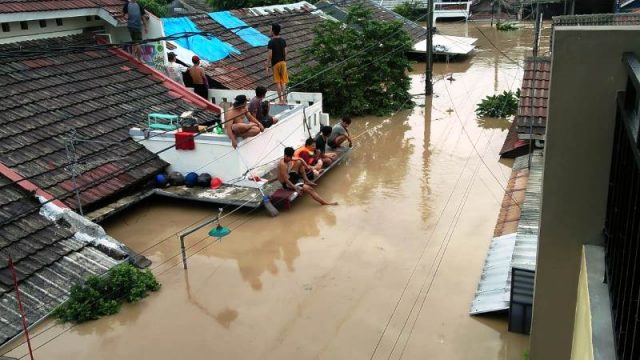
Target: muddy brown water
389,273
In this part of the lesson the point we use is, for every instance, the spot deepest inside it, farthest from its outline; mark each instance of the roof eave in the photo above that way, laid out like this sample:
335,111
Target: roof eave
58,14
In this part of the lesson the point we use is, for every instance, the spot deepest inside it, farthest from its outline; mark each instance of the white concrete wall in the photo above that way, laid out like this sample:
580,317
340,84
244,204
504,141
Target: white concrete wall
74,25
214,154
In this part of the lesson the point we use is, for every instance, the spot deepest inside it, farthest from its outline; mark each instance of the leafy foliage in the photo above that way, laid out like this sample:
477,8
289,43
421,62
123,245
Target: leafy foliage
506,26
409,9
499,106
156,7
374,81
101,296
239,4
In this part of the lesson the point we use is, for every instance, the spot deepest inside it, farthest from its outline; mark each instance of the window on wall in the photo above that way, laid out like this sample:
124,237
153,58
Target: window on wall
89,18
6,27
24,25
43,23
96,17
59,22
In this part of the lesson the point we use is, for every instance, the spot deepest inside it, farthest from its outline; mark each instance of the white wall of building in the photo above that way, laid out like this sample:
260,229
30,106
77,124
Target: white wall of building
54,28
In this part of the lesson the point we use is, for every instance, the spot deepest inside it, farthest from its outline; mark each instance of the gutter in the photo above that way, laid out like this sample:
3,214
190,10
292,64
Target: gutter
29,186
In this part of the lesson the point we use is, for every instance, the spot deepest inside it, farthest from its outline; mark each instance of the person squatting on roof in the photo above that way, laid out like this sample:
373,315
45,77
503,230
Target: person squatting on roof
199,78
327,157
136,23
259,108
235,125
276,61
340,133
292,175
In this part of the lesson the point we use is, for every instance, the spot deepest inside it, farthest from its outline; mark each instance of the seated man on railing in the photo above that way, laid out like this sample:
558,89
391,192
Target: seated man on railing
259,108
235,125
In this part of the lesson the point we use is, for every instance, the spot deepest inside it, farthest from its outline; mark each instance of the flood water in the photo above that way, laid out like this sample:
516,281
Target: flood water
390,273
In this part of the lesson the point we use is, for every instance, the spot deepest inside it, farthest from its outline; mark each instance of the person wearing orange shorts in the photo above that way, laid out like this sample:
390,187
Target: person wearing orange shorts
276,61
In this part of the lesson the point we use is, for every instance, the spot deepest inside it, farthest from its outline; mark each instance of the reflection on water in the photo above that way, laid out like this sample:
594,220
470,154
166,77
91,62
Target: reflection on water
393,268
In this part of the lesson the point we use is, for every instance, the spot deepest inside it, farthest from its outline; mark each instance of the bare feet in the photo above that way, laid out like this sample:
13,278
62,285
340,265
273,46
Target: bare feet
333,203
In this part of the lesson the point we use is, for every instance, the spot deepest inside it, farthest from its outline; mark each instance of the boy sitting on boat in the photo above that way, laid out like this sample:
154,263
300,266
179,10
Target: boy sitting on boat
292,175
327,157
235,125
310,157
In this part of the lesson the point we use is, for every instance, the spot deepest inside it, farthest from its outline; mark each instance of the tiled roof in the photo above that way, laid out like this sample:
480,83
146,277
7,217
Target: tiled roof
513,146
246,71
597,20
114,7
378,12
100,94
48,260
534,96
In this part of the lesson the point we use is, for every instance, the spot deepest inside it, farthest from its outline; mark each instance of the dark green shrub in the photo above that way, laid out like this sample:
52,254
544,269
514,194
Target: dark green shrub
156,7
499,106
506,26
409,10
101,296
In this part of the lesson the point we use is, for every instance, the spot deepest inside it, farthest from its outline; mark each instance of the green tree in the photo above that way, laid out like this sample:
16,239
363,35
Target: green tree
239,4
409,10
359,66
156,7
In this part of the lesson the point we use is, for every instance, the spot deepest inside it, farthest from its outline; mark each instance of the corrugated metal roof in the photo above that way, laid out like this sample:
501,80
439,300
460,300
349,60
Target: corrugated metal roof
513,250
493,288
526,248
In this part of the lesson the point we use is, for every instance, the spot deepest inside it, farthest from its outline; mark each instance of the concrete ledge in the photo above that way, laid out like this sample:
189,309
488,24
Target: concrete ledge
600,306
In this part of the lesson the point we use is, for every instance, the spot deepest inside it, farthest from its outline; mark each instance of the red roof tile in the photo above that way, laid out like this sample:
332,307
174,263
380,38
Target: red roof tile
46,96
534,96
513,146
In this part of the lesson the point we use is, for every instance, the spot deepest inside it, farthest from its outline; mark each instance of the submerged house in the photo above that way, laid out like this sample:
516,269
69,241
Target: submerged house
67,106
236,53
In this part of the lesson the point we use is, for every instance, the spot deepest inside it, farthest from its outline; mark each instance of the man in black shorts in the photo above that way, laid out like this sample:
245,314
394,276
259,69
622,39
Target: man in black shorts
259,108
136,22
290,172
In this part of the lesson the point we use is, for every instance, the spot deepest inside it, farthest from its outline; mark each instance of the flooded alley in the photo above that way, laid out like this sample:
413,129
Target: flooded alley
390,273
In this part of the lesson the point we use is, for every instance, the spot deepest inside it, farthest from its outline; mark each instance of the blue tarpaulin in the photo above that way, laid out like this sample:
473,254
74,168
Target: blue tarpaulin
252,36
208,48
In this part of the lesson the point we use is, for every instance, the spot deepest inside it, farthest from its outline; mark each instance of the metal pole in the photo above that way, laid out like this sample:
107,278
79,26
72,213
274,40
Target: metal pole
428,85
183,235
493,10
533,95
183,251
25,325
72,157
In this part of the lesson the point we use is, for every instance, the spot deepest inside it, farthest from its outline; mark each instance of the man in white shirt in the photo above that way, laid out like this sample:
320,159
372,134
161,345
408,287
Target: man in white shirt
175,70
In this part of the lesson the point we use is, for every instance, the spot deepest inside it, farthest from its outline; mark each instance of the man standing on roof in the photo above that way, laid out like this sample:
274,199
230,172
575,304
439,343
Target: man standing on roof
175,70
136,22
199,78
276,59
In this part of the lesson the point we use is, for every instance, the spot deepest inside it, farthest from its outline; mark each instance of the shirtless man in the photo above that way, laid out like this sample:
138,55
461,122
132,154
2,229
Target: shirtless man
289,172
236,127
